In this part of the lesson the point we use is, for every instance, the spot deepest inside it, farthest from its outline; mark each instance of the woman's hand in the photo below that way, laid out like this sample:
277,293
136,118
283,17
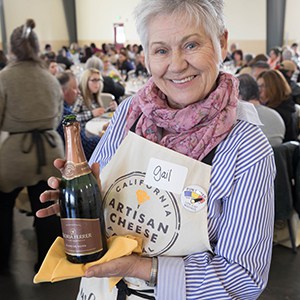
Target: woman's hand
113,105
53,195
132,266
97,112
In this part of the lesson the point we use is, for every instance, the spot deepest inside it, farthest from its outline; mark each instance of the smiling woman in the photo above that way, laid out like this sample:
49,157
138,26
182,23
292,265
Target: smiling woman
182,60
186,114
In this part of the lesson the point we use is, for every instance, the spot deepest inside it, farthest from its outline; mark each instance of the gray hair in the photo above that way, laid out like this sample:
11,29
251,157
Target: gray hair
205,13
95,63
24,42
248,87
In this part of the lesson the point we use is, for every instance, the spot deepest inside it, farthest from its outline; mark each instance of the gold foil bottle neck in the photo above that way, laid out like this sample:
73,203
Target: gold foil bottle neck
76,164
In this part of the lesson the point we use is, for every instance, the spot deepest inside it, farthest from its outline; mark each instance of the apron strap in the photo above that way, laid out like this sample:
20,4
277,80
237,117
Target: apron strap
132,128
210,156
124,290
37,137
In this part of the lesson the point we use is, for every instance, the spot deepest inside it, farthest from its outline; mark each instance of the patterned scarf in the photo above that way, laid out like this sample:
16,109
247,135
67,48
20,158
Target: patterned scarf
193,130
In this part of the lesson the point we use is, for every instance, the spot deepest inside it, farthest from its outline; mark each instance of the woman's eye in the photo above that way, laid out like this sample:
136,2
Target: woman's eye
191,46
161,51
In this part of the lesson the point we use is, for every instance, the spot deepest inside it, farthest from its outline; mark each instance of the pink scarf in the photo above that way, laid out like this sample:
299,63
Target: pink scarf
193,130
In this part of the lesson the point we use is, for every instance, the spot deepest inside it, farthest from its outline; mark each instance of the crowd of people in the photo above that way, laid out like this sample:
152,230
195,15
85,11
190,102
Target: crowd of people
189,106
277,76
69,81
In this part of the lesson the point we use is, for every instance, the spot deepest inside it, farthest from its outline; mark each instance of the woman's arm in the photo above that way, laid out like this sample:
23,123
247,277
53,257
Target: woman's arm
241,220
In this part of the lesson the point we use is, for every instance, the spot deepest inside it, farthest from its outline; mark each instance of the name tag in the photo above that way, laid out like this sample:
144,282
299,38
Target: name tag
165,175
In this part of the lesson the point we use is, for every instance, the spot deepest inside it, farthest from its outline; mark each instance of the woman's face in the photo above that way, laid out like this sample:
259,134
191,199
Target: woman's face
122,57
53,68
94,83
262,91
182,60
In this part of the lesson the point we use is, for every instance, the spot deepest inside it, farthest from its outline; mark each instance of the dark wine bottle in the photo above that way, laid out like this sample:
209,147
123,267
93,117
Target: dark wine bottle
81,205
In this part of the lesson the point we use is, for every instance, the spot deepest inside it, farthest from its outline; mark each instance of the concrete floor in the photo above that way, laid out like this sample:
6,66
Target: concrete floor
284,282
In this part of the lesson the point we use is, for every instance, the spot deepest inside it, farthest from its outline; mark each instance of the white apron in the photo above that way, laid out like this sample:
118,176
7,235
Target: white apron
158,194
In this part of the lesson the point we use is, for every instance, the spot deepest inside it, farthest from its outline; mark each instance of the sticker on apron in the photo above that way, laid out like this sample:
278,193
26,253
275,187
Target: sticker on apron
194,198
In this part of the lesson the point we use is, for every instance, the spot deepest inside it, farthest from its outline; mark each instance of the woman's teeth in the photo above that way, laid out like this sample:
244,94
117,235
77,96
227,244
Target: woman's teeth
184,80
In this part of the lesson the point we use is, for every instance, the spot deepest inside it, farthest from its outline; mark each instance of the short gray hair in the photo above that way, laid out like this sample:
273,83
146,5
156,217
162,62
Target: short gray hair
94,62
205,13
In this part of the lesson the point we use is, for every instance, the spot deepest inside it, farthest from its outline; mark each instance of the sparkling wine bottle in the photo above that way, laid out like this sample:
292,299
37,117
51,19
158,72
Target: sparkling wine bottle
81,205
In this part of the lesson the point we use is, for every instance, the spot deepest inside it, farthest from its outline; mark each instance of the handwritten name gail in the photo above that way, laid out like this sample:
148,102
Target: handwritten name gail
161,175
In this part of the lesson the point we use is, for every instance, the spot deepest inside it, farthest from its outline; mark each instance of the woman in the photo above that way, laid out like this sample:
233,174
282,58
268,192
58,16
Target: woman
30,110
90,104
189,107
111,82
124,64
274,58
238,58
273,126
275,92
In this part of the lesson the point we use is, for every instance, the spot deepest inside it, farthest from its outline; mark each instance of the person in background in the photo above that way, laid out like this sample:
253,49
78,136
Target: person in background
288,68
259,67
87,53
246,69
295,50
3,60
273,126
70,91
48,49
274,57
141,69
191,108
275,92
113,55
30,110
52,66
89,105
94,48
62,58
238,58
111,82
110,70
124,64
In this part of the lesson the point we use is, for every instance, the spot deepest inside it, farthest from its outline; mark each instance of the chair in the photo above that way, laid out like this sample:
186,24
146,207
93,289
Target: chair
287,184
106,98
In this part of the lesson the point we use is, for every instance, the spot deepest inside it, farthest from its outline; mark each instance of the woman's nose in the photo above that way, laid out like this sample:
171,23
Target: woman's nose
178,62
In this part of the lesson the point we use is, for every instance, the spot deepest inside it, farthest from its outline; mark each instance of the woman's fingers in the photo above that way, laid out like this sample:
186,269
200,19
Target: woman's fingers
48,211
53,182
49,195
96,172
59,163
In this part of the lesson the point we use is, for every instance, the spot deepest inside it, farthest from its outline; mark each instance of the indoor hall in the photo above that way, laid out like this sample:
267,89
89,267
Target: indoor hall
75,22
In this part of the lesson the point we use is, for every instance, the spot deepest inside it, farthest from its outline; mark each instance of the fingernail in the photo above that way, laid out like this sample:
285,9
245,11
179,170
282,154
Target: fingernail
89,273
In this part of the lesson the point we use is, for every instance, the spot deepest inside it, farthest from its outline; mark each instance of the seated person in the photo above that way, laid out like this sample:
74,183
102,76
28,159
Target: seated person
124,64
288,68
273,125
275,92
258,67
89,105
112,82
140,69
70,91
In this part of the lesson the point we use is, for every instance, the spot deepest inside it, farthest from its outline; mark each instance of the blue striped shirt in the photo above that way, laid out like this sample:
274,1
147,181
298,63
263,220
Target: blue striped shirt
240,218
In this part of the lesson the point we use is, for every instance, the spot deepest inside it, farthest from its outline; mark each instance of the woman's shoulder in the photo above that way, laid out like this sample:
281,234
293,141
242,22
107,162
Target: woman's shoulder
244,147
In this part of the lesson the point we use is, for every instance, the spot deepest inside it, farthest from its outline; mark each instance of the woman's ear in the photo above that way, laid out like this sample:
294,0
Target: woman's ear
224,44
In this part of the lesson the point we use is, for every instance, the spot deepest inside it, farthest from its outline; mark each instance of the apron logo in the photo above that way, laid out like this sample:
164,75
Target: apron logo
193,198
132,207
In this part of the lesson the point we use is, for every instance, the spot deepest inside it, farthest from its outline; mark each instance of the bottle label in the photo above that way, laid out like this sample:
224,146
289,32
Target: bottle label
81,236
71,170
